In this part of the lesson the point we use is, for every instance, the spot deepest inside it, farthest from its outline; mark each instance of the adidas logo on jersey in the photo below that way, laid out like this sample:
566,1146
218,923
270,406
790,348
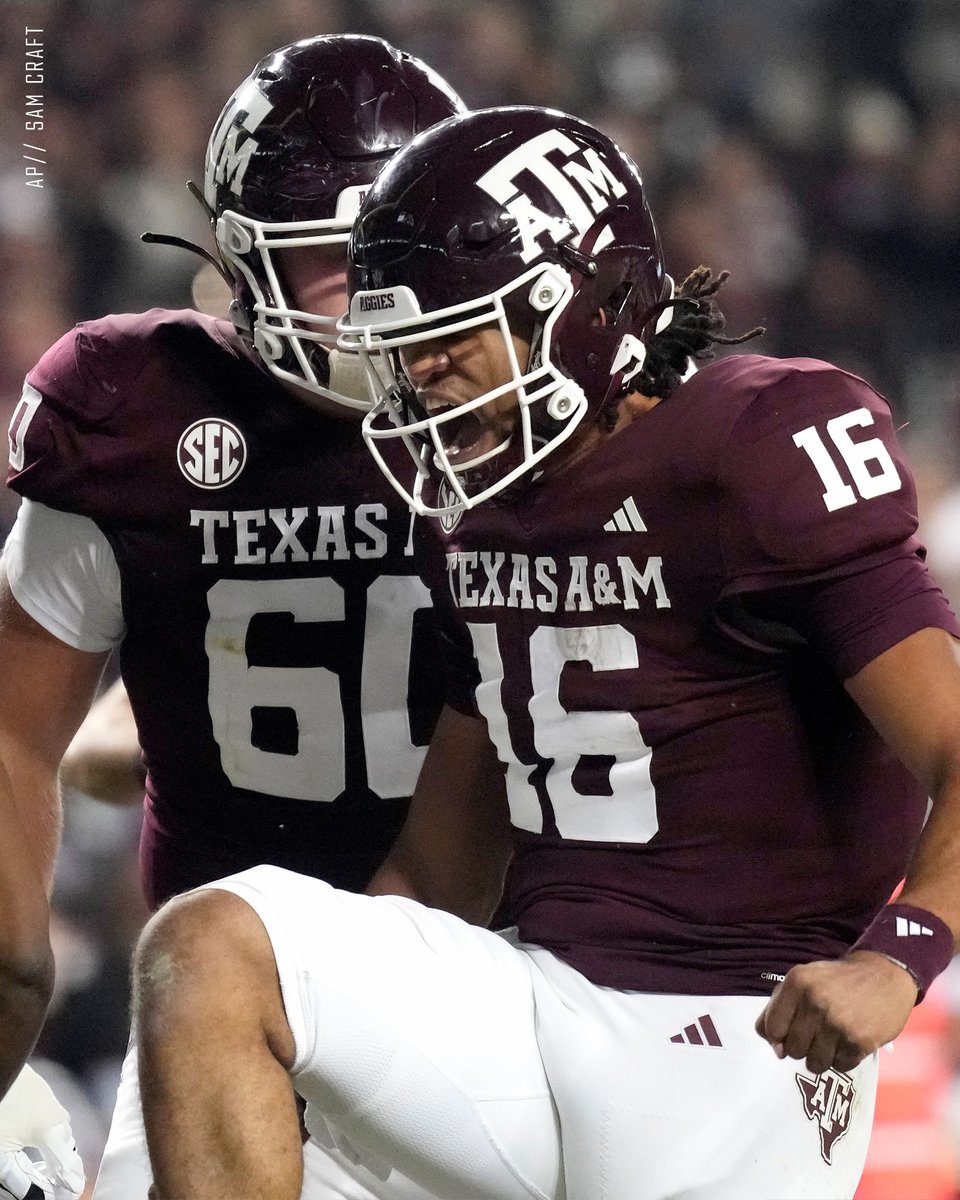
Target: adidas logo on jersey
907,928
702,1032
626,519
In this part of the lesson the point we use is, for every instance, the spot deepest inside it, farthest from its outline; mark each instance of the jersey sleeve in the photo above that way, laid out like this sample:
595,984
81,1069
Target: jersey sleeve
850,620
817,519
63,573
812,482
81,432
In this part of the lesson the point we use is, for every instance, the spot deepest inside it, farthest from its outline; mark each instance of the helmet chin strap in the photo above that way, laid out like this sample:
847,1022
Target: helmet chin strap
167,239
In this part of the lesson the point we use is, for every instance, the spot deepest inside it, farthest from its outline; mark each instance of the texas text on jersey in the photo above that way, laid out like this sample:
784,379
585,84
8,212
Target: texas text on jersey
276,632
717,752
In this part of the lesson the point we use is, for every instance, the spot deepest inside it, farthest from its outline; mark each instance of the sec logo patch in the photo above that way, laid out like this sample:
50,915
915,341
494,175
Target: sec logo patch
445,497
211,453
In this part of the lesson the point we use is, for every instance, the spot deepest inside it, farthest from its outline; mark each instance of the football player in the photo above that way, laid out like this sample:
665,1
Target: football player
696,623
196,492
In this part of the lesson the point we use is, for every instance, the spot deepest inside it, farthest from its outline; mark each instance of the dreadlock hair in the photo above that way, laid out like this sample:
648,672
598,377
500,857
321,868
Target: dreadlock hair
696,327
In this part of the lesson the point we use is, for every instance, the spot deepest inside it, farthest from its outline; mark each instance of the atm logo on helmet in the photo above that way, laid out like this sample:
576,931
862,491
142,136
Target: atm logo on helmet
232,143
583,187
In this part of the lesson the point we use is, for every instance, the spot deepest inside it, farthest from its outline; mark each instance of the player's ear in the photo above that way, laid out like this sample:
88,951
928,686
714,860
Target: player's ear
599,318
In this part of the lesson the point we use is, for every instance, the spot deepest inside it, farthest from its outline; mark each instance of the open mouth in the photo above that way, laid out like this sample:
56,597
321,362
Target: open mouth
463,436
466,434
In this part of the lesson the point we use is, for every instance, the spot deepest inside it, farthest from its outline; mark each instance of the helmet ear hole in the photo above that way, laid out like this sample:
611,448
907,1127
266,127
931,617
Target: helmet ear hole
545,292
235,238
565,402
237,314
268,345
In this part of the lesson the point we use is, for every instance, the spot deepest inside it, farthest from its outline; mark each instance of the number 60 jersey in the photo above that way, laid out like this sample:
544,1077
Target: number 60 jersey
275,640
662,632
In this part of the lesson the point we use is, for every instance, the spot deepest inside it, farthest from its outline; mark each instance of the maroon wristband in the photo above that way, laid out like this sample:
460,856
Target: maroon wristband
912,937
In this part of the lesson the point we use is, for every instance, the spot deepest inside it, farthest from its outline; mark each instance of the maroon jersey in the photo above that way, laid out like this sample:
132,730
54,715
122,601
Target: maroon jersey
277,633
662,633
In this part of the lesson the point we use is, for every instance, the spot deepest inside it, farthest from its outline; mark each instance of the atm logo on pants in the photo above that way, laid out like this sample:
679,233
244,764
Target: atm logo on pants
827,1100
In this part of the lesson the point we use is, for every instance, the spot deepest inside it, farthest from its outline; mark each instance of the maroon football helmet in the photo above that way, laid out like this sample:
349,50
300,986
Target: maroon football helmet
290,157
524,217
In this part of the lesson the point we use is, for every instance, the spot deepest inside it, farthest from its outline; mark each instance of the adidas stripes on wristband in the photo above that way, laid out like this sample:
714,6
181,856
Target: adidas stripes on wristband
913,938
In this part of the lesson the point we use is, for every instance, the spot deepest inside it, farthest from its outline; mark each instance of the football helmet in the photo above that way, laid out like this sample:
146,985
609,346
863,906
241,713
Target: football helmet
520,218
294,150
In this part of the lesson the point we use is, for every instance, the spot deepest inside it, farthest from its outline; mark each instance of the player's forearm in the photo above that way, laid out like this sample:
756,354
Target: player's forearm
395,878
932,880
26,958
911,693
26,984
112,778
454,849
44,829
470,889
48,688
30,810
920,930
933,877
103,759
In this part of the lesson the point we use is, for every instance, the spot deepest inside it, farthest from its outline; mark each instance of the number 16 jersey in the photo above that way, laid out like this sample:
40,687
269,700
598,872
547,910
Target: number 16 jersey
662,634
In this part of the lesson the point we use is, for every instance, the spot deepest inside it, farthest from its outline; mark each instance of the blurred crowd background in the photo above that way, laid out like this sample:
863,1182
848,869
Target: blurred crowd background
812,147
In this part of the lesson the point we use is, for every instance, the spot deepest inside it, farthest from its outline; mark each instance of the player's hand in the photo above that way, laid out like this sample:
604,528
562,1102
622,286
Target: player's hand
30,1115
835,1014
